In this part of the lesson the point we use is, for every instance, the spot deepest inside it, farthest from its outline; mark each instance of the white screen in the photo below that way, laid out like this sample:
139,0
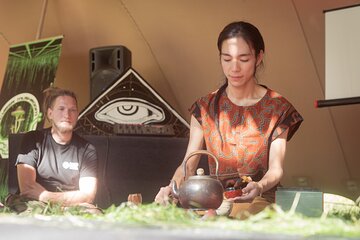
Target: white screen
342,53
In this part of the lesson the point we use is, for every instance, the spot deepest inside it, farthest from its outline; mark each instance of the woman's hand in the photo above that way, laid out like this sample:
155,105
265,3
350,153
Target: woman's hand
163,197
252,190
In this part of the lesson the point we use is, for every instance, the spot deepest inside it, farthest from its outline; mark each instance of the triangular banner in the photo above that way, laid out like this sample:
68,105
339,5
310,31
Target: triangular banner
131,107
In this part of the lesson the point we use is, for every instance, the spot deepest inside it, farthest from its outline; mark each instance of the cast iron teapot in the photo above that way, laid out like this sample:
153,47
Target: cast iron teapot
200,191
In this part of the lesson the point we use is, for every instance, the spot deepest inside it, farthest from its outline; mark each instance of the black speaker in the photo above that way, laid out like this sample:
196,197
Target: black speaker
107,64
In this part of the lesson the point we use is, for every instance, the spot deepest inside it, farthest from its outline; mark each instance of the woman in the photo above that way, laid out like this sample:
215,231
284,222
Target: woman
244,124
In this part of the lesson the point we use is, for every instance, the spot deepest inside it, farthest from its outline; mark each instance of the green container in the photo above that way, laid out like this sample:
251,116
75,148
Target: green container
310,203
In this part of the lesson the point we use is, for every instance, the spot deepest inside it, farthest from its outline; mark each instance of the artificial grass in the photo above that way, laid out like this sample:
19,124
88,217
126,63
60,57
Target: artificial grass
272,220
339,221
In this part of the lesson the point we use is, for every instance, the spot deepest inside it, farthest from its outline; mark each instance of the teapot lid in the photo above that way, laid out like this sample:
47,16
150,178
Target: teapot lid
200,175
200,172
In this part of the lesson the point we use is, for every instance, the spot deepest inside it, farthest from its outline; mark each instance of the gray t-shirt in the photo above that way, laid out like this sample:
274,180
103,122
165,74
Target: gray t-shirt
58,167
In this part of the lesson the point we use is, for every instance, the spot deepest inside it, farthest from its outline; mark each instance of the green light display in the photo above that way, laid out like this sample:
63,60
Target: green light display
30,70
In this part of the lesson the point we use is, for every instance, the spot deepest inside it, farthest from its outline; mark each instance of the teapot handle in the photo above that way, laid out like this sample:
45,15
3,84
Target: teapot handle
202,152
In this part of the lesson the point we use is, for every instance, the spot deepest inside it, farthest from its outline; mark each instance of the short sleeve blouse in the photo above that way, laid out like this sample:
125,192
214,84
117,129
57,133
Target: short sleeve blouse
242,139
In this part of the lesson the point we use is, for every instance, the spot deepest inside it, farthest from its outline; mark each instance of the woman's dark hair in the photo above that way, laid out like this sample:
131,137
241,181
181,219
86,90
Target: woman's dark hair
246,31
252,37
50,95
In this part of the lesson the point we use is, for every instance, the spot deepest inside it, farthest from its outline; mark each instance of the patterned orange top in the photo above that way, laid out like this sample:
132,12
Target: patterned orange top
241,142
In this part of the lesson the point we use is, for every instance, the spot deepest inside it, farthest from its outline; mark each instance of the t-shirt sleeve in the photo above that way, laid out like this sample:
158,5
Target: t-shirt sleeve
291,120
89,164
29,149
195,111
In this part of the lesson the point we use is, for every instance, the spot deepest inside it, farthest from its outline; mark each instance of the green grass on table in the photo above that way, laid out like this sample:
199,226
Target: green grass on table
151,215
339,222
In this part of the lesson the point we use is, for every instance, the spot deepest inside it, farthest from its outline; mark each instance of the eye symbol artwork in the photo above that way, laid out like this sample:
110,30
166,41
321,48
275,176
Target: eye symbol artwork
129,111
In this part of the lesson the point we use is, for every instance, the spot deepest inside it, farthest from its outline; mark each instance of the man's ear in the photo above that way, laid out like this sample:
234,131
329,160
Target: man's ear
49,114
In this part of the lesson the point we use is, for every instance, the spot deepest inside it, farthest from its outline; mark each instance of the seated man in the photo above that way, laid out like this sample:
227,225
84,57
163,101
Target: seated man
55,164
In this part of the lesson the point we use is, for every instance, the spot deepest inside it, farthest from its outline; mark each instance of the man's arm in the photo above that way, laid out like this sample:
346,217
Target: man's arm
31,189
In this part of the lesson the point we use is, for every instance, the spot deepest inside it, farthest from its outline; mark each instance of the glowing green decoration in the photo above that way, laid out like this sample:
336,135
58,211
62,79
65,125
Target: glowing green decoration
30,70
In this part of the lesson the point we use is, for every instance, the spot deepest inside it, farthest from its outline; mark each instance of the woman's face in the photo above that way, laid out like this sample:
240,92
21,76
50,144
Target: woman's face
238,61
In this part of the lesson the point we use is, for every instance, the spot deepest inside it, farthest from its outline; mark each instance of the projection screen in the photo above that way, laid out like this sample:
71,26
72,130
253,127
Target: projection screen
342,53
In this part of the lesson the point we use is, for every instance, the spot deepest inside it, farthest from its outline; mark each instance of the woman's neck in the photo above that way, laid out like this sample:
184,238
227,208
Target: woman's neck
246,95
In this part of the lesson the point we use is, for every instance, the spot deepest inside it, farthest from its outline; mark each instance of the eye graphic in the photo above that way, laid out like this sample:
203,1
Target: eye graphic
130,111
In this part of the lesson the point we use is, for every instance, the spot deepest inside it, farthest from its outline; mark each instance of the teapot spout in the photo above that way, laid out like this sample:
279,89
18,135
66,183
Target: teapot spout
174,189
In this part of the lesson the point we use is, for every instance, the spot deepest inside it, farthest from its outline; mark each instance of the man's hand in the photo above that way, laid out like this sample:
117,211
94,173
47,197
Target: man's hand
36,192
31,189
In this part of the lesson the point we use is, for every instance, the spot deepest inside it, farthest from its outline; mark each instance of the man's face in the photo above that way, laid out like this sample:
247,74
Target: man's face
63,114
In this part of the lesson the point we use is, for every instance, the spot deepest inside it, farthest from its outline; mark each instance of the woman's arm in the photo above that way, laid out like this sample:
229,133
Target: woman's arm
272,176
195,143
33,190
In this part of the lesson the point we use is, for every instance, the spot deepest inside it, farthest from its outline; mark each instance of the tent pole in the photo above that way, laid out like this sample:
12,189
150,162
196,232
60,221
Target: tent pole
41,23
